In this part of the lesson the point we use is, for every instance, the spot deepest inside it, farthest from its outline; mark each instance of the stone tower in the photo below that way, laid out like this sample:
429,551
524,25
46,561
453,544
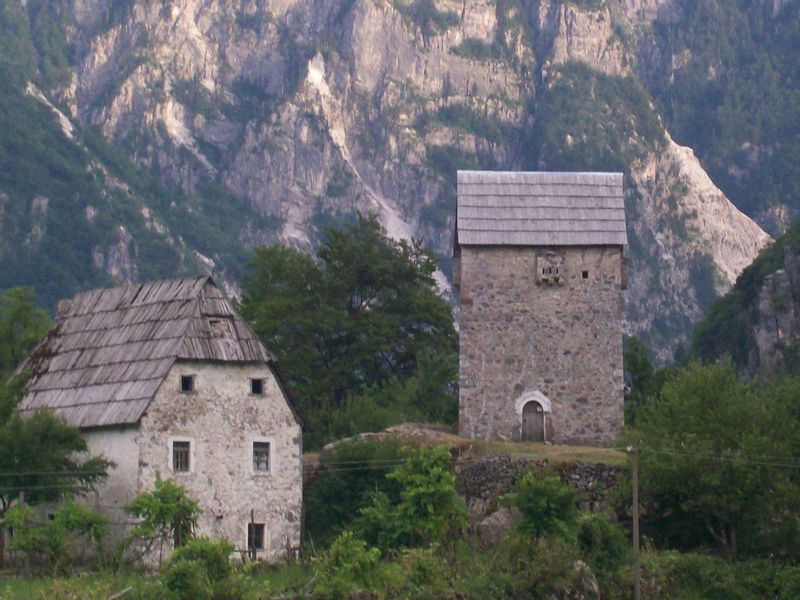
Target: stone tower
539,260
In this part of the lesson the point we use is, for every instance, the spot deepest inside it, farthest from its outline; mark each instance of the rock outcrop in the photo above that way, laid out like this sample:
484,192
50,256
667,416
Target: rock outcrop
776,331
308,110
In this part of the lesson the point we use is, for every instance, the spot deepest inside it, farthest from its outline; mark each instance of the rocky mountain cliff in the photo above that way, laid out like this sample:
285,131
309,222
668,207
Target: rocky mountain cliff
266,119
757,323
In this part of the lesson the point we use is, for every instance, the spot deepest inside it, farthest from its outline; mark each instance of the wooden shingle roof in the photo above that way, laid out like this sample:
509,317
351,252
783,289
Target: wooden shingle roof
110,349
540,209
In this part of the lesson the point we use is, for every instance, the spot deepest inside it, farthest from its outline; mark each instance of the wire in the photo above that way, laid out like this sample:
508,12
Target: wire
742,460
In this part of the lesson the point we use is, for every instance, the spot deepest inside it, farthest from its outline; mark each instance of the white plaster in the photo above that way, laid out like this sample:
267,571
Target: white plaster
221,418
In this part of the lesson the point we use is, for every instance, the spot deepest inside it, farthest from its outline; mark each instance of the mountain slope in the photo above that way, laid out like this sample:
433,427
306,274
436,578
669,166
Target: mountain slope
305,111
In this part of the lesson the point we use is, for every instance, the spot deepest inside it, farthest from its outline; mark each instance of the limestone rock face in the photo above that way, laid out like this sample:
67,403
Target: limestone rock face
690,230
308,110
777,326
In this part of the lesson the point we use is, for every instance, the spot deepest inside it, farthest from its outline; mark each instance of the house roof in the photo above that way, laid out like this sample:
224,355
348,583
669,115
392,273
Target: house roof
540,209
110,349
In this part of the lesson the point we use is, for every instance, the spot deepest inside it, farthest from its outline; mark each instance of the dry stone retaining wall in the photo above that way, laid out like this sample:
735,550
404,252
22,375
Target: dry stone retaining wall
483,482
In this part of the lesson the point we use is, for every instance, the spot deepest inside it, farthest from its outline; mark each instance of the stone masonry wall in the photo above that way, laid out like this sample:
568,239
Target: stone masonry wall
563,340
221,419
483,482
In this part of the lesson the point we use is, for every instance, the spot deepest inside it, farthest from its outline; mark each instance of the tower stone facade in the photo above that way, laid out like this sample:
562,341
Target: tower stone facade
539,260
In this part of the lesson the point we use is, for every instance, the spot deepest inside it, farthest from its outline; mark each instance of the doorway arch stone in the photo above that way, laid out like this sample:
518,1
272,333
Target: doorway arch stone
533,410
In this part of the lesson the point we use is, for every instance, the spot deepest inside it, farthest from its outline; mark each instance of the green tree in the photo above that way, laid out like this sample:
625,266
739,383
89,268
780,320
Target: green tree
643,381
22,325
51,537
712,454
166,512
333,497
366,314
429,509
44,458
546,506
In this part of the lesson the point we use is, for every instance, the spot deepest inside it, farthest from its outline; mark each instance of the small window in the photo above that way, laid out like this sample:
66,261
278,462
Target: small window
585,274
180,456
257,386
261,457
187,383
255,536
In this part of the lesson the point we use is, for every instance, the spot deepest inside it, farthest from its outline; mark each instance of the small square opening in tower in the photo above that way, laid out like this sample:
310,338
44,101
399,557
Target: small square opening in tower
585,274
257,386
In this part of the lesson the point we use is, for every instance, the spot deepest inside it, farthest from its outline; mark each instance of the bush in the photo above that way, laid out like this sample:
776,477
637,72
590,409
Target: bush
52,538
602,544
429,510
689,576
333,498
347,566
214,555
201,568
188,580
546,504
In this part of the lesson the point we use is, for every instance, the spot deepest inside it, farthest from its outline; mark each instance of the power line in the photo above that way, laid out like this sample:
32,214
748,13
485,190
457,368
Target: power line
732,459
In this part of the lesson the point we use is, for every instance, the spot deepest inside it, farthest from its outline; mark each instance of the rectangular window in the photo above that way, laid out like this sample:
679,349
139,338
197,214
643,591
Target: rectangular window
261,457
255,536
187,383
585,274
180,456
257,386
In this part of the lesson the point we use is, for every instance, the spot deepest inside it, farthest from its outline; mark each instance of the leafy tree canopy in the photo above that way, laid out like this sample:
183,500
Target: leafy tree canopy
22,325
713,452
39,454
428,510
364,317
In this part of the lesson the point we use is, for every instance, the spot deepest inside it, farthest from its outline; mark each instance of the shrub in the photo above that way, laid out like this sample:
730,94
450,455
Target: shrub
213,554
429,510
348,565
546,504
52,538
188,580
201,568
602,544
165,512
333,498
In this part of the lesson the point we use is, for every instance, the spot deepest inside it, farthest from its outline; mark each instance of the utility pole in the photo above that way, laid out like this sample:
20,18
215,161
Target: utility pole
637,575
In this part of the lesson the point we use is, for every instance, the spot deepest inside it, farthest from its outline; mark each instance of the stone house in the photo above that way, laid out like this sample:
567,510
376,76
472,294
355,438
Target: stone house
166,378
539,263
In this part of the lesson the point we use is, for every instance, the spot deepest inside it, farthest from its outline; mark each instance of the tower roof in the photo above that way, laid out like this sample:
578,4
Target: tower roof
110,349
540,209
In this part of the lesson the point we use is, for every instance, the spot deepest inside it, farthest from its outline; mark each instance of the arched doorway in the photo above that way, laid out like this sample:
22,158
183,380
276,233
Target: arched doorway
532,422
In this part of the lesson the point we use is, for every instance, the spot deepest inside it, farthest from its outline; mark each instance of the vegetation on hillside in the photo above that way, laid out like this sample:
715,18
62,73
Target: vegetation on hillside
734,95
727,327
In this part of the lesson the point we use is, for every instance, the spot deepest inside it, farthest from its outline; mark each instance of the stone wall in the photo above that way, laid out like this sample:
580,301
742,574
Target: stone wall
484,481
520,336
220,419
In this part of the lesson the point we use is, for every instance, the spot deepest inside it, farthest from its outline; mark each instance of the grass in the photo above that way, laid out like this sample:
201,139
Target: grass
476,448
552,452
85,586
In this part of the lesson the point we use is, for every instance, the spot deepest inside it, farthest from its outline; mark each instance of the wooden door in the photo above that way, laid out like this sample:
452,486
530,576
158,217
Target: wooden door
532,422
